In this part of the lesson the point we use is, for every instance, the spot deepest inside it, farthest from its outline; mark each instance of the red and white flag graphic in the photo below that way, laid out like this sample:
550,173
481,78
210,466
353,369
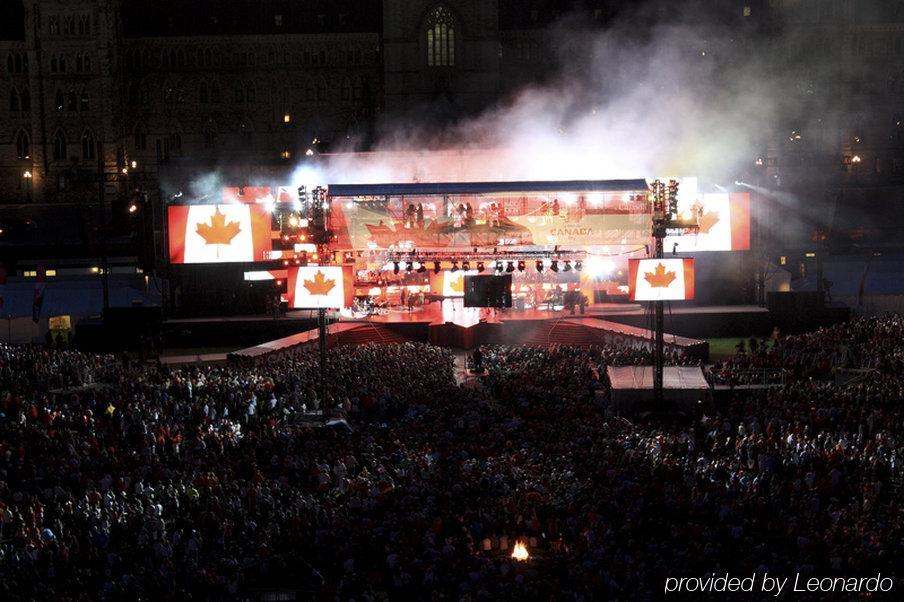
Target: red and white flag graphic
320,287
219,233
724,220
661,279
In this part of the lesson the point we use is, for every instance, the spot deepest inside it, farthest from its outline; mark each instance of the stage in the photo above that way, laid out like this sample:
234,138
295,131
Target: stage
450,324
698,322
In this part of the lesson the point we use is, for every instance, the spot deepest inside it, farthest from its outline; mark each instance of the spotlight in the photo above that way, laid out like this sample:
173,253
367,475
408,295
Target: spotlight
521,265
510,267
554,266
454,267
539,265
409,266
466,265
567,267
436,267
395,267
578,266
499,266
479,266
421,268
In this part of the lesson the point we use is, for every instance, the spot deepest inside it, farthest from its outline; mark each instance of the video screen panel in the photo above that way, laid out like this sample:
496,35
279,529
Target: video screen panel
488,291
724,220
320,287
661,279
231,233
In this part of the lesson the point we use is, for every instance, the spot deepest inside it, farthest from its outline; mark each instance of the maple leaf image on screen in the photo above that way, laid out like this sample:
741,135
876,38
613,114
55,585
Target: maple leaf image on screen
707,220
457,284
659,278
319,285
218,232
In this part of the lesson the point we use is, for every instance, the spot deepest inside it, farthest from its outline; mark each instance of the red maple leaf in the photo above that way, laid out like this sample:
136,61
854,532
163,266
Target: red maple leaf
218,232
707,220
319,285
659,278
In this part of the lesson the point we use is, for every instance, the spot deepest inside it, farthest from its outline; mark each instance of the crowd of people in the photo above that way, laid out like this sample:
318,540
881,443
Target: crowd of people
145,482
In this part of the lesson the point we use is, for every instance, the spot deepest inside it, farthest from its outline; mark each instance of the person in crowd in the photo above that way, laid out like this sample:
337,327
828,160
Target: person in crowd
208,482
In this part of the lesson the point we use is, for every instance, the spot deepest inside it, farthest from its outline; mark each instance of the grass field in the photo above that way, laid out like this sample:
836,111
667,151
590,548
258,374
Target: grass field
723,348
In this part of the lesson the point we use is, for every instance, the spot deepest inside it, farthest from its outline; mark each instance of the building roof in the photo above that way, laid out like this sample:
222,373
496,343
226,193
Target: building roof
162,18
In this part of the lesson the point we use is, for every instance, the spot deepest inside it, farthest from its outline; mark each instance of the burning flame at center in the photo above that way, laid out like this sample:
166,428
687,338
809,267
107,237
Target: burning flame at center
520,551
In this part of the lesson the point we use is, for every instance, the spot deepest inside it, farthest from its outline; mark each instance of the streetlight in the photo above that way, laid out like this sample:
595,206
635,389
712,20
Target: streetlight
27,175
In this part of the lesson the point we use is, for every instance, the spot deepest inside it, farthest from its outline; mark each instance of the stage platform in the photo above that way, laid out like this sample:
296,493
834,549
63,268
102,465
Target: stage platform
452,325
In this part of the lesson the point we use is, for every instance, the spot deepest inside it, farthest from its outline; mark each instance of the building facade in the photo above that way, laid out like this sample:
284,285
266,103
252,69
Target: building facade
100,98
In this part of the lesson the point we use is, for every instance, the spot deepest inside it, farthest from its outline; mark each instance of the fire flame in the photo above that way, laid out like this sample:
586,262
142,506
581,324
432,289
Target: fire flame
520,551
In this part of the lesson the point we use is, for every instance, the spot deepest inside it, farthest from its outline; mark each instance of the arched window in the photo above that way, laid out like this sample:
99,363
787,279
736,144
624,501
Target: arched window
358,88
62,64
78,63
239,93
83,100
215,92
321,89
249,92
23,145
88,145
9,62
59,145
309,90
175,143
71,103
133,93
346,92
59,101
141,138
246,135
54,64
440,38
203,94
20,66
208,57
25,100
14,100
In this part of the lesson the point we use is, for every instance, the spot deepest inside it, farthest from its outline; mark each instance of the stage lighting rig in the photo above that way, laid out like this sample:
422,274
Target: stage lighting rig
466,265
520,265
567,267
578,265
479,266
421,268
454,267
539,265
436,267
499,266
554,266
395,267
409,266
510,267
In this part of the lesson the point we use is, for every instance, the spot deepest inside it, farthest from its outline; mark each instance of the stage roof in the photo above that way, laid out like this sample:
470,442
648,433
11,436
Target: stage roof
342,190
641,377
